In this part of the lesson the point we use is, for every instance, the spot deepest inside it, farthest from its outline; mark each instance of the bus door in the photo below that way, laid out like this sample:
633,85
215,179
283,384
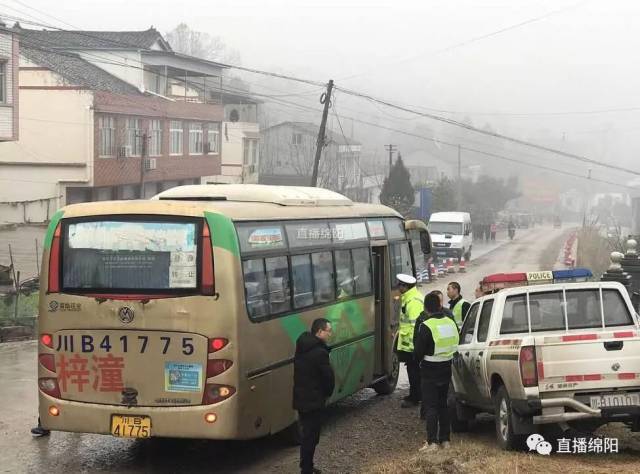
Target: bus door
382,351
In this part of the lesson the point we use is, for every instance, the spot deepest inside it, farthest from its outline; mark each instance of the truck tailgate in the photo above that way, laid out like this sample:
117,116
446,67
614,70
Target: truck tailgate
589,361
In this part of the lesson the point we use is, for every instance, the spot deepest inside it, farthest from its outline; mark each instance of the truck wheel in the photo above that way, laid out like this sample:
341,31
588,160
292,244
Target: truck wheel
388,385
458,425
507,439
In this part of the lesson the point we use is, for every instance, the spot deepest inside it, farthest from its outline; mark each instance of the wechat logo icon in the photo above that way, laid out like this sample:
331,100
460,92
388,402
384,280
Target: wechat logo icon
537,443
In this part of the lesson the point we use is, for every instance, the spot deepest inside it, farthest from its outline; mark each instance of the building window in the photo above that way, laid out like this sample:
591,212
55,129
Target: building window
296,139
155,138
107,130
176,131
195,139
213,138
3,81
249,151
133,135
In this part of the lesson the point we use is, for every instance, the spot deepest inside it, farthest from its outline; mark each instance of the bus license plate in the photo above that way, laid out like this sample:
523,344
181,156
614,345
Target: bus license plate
126,426
615,400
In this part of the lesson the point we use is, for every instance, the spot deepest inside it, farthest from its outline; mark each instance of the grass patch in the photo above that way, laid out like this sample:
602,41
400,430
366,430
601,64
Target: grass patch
27,310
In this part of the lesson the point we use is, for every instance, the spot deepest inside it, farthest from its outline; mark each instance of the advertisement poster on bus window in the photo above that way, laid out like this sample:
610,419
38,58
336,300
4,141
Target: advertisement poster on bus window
182,377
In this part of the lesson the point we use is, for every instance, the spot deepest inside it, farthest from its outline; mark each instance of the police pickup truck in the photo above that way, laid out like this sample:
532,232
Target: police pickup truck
546,350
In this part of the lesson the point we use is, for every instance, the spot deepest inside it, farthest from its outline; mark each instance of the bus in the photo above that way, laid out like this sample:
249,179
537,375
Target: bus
178,316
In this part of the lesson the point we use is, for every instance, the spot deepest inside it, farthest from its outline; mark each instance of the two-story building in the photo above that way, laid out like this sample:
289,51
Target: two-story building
108,115
287,151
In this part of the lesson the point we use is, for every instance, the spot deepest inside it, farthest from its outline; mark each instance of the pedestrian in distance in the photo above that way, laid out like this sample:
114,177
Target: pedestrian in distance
458,305
412,303
436,342
494,230
313,384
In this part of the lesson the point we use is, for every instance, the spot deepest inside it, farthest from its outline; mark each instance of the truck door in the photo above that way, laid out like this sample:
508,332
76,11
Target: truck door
478,353
462,377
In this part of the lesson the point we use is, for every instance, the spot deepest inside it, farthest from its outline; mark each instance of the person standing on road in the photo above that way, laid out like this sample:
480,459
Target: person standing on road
313,384
457,304
436,342
446,311
412,303
494,230
421,319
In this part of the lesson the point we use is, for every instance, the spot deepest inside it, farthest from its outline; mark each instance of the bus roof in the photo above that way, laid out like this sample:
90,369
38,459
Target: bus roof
234,209
283,195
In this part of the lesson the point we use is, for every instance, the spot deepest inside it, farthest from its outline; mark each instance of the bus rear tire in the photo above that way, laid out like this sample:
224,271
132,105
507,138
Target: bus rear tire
388,385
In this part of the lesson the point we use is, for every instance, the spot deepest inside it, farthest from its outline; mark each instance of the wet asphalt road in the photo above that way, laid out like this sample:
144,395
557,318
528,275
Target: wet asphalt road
71,453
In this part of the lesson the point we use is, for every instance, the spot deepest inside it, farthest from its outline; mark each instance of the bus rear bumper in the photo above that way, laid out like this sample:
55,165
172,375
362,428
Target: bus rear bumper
166,422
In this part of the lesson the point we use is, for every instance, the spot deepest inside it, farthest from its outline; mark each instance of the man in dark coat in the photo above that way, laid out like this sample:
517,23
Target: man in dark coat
313,384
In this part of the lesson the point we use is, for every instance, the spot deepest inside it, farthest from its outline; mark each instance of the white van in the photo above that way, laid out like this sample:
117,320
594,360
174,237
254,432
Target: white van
451,234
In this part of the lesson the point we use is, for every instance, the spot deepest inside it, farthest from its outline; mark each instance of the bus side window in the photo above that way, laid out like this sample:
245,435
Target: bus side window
255,286
278,282
302,281
324,288
362,270
344,273
400,260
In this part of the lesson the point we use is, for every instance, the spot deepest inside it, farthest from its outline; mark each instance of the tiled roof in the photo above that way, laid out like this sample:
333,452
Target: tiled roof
312,129
77,71
93,39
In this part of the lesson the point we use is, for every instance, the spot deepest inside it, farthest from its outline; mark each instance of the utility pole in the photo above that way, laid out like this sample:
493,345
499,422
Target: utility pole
459,178
325,99
391,149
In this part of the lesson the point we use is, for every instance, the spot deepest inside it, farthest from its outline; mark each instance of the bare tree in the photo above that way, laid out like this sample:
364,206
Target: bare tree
201,45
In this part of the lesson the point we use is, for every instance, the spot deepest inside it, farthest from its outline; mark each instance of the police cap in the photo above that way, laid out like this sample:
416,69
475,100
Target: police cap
406,279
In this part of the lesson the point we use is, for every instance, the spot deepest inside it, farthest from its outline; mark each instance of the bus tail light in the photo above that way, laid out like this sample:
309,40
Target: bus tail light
49,386
528,370
207,283
47,340
217,366
214,393
54,262
217,343
47,361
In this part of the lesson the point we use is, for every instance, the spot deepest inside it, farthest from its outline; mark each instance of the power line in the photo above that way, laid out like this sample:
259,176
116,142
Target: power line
413,111
473,39
518,141
481,152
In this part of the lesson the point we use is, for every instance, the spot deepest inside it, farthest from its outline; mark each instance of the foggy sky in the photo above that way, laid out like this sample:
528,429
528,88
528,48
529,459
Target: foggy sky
582,59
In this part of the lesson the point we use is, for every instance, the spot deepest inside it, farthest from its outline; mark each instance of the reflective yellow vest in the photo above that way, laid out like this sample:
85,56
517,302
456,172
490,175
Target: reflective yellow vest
412,305
445,339
457,312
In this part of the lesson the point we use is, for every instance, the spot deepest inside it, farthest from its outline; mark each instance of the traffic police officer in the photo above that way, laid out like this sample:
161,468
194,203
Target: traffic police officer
458,305
436,342
411,301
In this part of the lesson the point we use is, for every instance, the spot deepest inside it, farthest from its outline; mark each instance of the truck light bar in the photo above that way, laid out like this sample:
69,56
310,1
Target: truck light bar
498,281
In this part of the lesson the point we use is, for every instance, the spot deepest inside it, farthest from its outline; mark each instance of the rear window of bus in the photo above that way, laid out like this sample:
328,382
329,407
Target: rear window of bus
130,255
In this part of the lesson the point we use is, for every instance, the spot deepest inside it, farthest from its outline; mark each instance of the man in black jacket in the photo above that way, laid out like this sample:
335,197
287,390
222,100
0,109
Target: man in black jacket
313,384
435,343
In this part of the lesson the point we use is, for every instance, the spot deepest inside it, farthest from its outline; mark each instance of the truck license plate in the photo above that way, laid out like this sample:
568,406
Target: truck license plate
615,400
125,426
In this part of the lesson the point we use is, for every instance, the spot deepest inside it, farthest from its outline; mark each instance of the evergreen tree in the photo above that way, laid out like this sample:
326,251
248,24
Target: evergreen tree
397,191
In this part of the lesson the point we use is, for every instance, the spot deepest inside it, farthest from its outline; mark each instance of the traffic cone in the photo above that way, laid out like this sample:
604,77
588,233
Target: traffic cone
462,266
433,271
450,267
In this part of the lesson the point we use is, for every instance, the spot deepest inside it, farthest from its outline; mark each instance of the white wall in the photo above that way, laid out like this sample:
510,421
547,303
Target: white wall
55,145
232,169
126,65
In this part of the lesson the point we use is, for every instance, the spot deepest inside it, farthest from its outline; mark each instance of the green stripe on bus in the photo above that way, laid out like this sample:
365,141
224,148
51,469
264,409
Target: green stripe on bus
223,232
53,223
